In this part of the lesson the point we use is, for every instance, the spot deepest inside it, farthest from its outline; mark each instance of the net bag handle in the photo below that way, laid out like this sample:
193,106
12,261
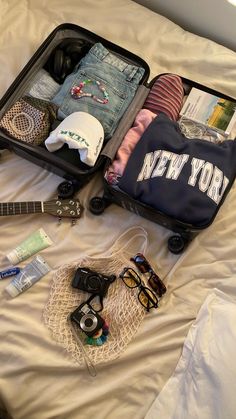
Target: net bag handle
131,241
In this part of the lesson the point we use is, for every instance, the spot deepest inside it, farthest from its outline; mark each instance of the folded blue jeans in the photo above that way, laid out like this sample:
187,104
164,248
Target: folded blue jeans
102,69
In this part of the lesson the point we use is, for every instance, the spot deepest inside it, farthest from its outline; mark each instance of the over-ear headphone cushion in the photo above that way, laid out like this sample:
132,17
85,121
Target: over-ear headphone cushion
74,47
68,67
75,50
65,56
58,62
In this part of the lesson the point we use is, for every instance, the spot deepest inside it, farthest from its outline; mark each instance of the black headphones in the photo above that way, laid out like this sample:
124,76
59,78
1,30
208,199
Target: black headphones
65,56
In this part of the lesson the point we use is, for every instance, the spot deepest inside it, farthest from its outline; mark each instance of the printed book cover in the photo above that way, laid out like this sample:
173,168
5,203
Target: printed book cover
212,111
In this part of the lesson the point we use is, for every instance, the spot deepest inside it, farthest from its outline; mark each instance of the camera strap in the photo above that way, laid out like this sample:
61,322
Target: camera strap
88,301
100,297
89,364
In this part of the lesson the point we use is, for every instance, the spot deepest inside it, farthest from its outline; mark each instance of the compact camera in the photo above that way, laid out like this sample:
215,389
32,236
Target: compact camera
87,319
91,281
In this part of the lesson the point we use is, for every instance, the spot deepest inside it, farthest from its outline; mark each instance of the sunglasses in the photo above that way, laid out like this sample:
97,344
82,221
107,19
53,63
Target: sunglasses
132,280
154,281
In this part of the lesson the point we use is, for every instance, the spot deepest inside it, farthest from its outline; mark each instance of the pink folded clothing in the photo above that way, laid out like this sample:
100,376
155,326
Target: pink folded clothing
166,95
116,169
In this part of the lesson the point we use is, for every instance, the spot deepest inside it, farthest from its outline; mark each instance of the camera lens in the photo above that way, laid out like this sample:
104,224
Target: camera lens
93,283
88,322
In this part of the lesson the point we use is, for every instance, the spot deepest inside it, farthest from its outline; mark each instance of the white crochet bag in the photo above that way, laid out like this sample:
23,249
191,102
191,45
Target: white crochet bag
122,310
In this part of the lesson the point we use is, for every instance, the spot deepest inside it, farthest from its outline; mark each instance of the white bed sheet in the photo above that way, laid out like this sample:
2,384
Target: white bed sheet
203,382
38,380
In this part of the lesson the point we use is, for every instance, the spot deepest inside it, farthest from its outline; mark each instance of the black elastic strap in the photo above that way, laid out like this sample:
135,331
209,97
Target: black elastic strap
92,297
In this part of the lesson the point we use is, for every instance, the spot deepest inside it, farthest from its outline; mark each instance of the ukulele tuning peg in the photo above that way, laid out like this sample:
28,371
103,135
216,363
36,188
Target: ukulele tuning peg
73,221
59,221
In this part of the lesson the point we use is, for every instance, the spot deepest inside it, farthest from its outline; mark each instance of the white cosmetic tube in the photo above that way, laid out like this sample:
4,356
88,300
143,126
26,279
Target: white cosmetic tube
27,277
37,241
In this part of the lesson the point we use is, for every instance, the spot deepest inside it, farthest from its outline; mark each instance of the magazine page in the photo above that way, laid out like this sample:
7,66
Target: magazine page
210,110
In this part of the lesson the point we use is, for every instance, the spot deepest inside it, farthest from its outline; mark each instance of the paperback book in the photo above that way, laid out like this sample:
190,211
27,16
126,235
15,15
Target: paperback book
210,110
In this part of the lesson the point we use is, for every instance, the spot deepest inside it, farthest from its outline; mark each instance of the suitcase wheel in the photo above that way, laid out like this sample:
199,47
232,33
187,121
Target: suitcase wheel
176,244
65,190
97,205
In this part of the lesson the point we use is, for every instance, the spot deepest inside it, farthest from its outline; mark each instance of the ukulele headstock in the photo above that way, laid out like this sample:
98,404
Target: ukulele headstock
63,208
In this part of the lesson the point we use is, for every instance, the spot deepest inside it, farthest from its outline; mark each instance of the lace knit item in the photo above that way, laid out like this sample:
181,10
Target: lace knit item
29,120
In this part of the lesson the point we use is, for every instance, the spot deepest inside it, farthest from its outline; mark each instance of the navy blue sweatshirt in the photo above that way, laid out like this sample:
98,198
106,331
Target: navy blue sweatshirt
183,178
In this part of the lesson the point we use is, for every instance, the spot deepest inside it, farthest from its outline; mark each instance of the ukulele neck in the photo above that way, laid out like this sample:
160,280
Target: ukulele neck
18,208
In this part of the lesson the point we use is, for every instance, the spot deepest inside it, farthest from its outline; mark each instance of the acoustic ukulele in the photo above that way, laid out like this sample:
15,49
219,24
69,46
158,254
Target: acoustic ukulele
66,208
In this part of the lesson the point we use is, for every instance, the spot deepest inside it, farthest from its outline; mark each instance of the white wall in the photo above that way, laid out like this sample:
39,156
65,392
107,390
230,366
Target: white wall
213,19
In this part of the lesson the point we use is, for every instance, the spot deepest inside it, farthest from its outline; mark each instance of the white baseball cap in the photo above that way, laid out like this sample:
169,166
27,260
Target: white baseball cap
80,131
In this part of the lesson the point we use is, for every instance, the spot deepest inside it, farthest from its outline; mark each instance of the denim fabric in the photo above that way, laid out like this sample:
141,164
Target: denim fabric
119,78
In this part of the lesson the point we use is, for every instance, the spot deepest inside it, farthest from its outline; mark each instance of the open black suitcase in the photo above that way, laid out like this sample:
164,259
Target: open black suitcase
66,165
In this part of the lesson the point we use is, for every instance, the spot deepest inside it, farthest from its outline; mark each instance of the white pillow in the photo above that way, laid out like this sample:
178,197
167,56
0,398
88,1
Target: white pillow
204,381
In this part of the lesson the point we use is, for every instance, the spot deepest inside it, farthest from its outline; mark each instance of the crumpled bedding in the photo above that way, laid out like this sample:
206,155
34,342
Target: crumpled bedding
38,379
203,382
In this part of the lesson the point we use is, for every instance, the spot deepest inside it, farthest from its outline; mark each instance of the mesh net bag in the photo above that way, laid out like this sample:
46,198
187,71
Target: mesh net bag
122,309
